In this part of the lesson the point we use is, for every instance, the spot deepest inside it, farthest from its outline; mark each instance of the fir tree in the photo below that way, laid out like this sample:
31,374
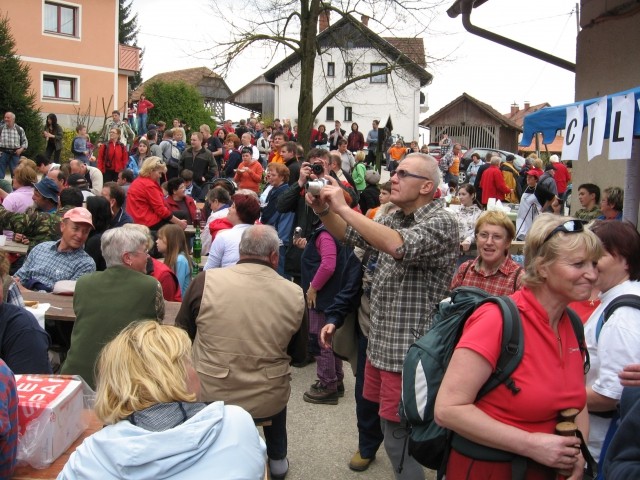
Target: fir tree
15,91
128,35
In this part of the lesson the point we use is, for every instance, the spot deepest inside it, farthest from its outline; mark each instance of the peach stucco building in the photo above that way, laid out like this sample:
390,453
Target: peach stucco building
72,50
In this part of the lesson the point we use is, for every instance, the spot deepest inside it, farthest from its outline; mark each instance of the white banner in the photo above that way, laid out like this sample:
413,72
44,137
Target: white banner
621,131
597,121
573,135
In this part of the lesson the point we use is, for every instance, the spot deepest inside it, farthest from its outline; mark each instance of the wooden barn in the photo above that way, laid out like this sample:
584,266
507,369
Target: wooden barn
473,123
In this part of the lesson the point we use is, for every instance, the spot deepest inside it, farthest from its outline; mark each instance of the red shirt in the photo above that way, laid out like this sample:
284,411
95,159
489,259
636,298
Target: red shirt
112,157
562,177
144,106
492,184
549,381
168,281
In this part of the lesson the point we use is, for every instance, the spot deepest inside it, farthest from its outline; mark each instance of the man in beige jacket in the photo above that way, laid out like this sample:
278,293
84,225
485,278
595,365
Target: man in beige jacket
247,322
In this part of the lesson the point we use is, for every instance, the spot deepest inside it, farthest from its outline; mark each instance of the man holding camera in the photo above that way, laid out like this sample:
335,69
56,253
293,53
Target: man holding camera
417,247
316,168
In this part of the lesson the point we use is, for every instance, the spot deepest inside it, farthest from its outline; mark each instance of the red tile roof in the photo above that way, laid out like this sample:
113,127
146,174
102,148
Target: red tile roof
518,117
411,47
190,76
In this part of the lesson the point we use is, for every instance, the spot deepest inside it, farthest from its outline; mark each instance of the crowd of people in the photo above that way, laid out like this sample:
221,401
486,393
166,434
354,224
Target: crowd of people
302,246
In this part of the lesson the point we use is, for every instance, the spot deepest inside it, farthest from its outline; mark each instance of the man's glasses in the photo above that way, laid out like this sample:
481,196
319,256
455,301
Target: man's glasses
572,226
404,174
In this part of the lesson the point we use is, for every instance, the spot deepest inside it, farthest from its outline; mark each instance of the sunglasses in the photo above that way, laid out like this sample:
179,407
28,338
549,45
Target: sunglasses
572,226
404,174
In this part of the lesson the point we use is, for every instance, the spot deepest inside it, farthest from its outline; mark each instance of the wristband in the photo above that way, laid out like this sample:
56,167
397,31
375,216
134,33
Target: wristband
322,213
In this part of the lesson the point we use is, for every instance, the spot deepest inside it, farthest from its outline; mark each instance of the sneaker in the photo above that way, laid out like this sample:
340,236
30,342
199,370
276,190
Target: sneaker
321,395
358,463
314,386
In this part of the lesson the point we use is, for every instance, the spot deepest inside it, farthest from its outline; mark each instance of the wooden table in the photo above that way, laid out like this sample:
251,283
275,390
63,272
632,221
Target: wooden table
51,472
14,247
62,307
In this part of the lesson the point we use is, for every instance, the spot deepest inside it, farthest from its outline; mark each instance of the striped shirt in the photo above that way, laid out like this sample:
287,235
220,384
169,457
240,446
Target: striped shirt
12,138
406,292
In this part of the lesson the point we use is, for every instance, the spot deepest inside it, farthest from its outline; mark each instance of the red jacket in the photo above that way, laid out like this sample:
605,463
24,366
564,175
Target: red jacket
174,207
144,106
145,202
112,157
168,281
562,177
492,184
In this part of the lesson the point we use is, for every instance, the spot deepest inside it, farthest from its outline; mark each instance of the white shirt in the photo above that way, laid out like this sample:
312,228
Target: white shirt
618,345
225,249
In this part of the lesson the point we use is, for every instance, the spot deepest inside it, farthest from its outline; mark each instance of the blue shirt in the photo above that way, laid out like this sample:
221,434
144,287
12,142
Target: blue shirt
48,265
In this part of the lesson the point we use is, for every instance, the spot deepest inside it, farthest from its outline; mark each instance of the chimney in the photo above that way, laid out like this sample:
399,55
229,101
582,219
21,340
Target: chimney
365,20
514,108
527,104
323,20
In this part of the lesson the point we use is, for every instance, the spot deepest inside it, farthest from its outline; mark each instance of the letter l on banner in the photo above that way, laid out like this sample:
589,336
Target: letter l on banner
621,132
573,132
597,118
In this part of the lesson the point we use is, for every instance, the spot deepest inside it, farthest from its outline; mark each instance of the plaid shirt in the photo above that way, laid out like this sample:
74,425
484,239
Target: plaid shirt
48,265
504,281
405,292
13,138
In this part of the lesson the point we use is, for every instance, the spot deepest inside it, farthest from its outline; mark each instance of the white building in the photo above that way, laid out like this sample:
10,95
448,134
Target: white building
349,49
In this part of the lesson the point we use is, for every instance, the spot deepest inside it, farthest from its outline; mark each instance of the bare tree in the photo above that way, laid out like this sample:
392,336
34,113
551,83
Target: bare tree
283,27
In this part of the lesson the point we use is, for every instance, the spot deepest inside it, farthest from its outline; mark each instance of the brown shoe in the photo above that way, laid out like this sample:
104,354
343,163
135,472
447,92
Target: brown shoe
314,386
320,395
358,463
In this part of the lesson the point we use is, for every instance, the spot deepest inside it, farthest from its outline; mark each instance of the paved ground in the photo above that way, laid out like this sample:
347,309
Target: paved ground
322,438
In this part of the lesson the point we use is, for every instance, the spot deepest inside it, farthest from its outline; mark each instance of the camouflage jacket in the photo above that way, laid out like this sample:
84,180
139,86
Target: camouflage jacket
37,226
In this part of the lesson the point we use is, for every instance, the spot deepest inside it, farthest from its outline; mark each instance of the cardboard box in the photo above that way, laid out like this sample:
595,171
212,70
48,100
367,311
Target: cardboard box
50,417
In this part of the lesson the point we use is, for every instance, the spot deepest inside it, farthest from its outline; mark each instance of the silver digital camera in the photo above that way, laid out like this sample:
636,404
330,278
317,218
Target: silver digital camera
314,186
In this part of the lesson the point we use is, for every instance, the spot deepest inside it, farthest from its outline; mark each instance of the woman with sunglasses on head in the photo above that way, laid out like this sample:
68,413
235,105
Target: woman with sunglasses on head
613,342
493,270
517,421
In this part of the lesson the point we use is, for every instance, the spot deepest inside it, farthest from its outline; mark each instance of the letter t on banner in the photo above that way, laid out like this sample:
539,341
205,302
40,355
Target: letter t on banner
573,132
621,132
597,118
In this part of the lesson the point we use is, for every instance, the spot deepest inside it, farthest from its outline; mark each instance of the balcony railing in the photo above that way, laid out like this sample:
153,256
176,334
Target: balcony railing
128,59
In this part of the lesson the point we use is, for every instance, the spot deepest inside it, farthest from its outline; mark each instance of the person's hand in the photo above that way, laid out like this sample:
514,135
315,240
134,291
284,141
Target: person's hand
326,335
630,375
466,245
182,224
555,451
331,195
305,173
578,469
300,243
19,151
311,297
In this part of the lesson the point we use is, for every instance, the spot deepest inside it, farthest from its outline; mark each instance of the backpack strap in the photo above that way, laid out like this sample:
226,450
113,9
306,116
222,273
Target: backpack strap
629,300
512,347
578,329
515,279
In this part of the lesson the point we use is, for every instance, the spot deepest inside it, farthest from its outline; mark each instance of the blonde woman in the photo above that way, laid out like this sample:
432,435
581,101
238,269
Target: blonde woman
146,397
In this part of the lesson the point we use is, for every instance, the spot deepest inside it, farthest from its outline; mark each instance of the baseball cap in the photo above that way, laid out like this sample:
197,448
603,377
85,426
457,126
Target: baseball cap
48,189
534,172
79,215
77,180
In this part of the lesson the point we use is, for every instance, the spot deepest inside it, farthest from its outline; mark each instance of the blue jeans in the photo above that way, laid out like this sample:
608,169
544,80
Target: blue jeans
369,431
142,123
8,159
275,435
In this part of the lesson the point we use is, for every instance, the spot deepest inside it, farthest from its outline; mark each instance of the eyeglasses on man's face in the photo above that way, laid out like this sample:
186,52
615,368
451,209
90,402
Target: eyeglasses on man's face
401,174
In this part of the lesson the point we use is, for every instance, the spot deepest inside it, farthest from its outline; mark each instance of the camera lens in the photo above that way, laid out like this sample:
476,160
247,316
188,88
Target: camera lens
317,168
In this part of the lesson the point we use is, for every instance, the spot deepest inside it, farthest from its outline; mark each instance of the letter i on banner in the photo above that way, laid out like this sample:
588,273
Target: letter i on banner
621,133
573,135
597,118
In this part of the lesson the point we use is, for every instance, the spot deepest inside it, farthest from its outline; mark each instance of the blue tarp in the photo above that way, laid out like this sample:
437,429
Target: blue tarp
551,119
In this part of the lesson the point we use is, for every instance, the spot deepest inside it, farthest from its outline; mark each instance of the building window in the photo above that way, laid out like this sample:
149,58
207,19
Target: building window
60,19
348,114
348,69
330,113
331,69
59,88
376,67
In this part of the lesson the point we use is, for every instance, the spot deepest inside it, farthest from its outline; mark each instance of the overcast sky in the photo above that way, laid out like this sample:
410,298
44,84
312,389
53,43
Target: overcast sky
171,33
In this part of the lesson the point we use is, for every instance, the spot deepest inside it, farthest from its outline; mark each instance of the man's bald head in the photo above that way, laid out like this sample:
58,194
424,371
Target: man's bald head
259,241
77,166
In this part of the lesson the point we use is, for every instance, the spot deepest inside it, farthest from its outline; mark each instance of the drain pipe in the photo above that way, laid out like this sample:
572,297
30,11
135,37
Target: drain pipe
464,7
